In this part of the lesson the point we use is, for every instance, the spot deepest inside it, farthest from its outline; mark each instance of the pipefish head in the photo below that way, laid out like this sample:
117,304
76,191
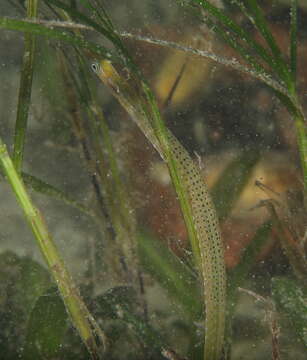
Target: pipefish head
107,73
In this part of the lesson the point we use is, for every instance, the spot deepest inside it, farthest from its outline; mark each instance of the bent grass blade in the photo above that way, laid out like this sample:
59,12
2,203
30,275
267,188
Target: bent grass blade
80,316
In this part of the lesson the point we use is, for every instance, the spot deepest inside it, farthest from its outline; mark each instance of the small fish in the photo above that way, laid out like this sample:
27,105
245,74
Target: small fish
205,220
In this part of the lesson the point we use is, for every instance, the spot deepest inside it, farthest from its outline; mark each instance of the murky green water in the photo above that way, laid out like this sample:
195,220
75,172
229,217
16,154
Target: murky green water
107,198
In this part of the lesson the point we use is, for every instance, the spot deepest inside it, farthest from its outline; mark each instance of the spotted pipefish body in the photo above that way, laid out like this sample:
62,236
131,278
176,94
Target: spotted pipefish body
205,220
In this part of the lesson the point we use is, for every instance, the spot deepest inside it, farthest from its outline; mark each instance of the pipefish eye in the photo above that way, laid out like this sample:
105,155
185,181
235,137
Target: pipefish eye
95,67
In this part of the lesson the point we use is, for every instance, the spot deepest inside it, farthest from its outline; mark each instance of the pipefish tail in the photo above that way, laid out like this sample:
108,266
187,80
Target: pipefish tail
205,220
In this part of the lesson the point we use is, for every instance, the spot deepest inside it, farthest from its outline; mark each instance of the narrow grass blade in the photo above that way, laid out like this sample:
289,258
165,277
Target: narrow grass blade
99,12
241,5
80,315
78,97
75,14
301,128
38,29
280,65
42,187
25,89
118,194
292,249
241,34
241,50
232,181
103,140
293,40
239,273
301,133
263,76
179,282
107,30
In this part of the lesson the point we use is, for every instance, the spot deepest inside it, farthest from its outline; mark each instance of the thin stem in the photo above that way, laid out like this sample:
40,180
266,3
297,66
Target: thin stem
61,24
301,129
261,24
86,20
293,39
43,187
99,12
177,278
233,63
38,29
25,89
80,316
241,35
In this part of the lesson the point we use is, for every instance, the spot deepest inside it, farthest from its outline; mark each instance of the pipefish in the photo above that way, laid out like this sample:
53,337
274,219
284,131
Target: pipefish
205,220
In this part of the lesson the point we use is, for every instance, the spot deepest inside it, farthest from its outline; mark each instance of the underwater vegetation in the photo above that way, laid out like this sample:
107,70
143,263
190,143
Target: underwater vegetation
154,174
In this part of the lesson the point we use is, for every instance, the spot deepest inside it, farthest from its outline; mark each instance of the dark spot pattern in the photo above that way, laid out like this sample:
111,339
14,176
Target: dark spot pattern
204,217
211,248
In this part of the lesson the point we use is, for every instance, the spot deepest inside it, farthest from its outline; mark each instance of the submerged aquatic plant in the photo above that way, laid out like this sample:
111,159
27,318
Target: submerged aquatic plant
128,249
